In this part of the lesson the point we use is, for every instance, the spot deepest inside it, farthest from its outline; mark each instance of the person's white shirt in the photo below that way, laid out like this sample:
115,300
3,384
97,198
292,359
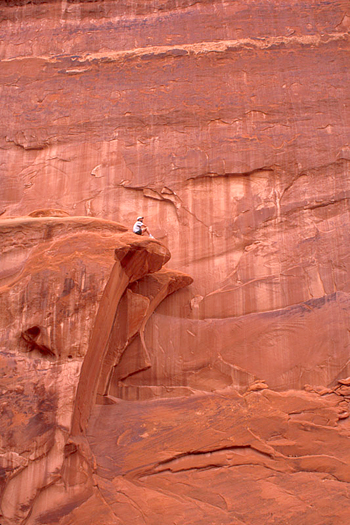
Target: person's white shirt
137,228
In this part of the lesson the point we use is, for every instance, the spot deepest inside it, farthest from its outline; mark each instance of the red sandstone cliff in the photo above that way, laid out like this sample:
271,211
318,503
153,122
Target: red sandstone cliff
226,124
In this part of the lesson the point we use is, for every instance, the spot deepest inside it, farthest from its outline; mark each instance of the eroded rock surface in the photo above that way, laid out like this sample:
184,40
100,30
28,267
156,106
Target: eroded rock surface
226,124
264,457
60,310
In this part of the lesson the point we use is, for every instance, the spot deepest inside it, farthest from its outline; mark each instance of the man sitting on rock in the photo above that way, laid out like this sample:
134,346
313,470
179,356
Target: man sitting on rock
140,229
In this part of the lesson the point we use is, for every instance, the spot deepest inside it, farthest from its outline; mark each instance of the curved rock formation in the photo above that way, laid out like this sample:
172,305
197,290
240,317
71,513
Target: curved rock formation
222,458
64,298
226,124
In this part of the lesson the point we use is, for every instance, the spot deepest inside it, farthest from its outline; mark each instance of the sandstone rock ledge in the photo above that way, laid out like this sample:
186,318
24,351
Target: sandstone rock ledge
76,295
68,314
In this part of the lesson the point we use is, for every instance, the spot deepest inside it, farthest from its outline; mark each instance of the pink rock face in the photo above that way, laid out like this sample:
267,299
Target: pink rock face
68,316
226,124
222,458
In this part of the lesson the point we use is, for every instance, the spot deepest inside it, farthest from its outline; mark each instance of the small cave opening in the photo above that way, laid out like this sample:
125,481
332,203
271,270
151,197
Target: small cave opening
34,338
31,333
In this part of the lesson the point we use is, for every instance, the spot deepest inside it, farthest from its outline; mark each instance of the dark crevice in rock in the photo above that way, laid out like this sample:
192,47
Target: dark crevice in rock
33,336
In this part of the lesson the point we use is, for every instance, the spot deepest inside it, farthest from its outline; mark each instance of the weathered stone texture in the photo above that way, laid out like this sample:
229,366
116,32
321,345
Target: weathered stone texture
226,124
63,303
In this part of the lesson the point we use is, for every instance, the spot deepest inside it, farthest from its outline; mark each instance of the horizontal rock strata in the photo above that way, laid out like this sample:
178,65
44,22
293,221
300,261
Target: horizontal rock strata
226,124
222,458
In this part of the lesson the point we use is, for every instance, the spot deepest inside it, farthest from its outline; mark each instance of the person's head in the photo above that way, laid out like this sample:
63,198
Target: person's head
140,219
